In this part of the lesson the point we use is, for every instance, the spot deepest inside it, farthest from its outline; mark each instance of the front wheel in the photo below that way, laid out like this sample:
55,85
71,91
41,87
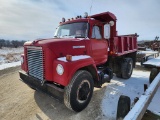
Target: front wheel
78,93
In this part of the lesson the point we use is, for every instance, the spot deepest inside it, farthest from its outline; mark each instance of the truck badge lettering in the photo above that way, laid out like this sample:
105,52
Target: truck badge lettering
74,47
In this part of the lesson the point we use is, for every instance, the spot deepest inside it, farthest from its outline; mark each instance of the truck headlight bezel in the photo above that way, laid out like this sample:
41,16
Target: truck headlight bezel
60,69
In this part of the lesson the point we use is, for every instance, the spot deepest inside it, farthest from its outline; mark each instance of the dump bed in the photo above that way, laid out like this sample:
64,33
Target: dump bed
124,44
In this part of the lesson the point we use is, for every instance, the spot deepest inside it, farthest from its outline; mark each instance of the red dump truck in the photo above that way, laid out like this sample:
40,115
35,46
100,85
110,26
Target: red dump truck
84,53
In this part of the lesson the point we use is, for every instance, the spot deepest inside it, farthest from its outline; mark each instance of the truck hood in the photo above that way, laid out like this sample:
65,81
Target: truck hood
61,46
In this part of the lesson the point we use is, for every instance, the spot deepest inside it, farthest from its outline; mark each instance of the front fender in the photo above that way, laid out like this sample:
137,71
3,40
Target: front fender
69,69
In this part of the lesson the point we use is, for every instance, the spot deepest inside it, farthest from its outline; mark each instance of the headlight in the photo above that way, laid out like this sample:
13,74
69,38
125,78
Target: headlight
60,69
22,59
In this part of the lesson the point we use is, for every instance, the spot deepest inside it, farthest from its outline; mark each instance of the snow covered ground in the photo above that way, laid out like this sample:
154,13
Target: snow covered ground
132,87
8,65
10,57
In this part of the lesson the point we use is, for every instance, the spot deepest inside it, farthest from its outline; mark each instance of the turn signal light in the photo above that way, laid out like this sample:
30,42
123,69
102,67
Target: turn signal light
112,52
69,58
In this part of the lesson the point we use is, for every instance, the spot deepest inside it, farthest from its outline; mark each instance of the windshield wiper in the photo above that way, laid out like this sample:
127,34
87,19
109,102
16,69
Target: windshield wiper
79,37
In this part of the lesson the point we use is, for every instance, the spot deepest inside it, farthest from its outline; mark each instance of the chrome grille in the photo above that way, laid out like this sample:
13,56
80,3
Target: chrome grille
35,62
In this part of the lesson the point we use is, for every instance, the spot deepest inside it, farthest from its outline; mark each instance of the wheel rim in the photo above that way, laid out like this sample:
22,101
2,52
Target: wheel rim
83,91
130,68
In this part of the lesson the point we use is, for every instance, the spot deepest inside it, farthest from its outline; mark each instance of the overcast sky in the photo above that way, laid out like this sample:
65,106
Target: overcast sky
32,19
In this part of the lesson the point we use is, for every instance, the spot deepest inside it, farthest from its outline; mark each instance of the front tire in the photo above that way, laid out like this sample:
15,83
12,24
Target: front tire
79,91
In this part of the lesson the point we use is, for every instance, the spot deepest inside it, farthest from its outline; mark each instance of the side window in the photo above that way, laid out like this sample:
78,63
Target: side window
96,32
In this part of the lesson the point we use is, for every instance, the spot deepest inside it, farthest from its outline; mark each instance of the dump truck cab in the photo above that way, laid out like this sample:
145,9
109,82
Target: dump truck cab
91,32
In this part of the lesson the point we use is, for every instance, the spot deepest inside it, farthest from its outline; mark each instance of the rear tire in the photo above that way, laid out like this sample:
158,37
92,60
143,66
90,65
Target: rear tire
119,75
127,68
118,69
79,91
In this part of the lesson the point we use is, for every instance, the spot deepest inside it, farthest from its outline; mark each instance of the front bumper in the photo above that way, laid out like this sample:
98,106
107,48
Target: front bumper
48,88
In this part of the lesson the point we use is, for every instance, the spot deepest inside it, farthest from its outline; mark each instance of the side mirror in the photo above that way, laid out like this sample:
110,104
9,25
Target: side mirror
107,31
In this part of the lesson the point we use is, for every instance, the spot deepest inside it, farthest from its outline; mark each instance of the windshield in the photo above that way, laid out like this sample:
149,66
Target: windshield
75,30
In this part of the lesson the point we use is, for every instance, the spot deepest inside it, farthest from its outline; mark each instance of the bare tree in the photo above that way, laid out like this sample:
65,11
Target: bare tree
2,42
9,43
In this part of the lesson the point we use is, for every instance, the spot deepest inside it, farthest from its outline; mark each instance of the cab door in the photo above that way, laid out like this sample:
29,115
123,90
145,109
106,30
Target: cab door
99,45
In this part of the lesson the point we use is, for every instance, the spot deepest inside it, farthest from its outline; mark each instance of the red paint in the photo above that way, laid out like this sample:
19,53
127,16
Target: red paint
69,69
97,49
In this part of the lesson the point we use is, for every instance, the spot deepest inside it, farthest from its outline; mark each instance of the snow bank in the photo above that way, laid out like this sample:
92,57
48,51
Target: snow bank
8,65
6,50
9,55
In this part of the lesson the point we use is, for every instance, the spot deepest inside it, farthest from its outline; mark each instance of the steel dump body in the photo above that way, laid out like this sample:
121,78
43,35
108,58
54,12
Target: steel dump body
122,45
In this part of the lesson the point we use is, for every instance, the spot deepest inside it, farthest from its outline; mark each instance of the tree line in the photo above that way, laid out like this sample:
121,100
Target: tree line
11,43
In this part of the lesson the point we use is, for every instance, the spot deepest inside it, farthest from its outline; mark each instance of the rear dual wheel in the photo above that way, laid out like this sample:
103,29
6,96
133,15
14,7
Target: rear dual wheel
126,69
78,93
